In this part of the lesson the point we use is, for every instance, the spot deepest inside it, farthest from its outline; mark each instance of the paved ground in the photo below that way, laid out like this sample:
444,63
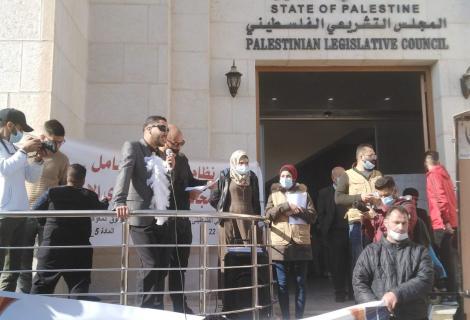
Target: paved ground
320,299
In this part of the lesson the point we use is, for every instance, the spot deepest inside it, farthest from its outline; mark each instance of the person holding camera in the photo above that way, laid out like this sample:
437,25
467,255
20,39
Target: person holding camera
354,186
388,193
14,171
54,174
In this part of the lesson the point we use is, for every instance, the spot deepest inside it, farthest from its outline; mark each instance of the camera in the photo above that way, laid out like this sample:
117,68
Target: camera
49,145
361,206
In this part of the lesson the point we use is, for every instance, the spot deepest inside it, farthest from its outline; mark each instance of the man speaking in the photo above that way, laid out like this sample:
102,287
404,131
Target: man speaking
133,192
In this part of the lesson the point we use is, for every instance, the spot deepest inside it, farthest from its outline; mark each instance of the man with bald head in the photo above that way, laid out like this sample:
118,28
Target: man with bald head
182,177
334,232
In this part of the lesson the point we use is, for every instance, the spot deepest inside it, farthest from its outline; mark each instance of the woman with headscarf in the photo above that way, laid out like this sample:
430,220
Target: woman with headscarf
237,192
291,212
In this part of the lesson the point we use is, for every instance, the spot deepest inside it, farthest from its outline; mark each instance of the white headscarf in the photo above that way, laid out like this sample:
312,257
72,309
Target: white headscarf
240,179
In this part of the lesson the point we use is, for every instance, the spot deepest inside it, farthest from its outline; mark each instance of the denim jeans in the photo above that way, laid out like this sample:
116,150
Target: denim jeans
299,269
355,239
440,270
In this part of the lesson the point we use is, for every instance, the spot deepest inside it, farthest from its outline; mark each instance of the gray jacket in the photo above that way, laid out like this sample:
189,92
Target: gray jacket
131,186
404,269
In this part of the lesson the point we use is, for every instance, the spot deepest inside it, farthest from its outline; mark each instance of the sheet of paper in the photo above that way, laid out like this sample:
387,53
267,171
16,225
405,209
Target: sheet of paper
300,200
201,188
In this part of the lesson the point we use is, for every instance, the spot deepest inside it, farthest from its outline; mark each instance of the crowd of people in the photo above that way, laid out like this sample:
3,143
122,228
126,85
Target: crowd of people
381,245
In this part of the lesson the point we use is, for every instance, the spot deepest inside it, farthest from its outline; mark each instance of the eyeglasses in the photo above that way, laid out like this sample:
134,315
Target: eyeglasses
177,144
161,127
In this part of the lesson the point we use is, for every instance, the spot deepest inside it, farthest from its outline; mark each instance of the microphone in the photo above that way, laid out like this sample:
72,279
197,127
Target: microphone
169,153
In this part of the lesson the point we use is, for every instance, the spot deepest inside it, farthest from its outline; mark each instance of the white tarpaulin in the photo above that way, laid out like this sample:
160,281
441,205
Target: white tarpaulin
16,306
102,166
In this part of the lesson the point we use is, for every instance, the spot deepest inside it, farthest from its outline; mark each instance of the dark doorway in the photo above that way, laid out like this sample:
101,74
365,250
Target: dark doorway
315,120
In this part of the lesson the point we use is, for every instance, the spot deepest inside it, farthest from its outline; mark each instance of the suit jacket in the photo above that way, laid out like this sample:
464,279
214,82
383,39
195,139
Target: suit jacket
327,211
182,177
131,186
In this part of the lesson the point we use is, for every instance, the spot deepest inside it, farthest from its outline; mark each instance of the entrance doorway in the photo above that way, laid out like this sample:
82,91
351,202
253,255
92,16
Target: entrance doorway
315,118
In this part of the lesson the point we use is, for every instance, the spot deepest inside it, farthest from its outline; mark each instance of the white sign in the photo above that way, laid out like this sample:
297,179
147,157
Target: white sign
102,166
14,306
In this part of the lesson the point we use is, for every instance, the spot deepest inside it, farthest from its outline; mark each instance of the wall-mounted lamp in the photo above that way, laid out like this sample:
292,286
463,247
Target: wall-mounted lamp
233,80
465,84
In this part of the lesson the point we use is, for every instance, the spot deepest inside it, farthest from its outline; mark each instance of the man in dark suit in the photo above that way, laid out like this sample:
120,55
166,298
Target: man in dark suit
180,233
132,192
66,231
334,232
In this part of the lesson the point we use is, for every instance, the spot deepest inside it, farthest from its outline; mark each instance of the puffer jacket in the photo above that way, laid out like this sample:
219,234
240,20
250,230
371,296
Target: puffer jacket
404,269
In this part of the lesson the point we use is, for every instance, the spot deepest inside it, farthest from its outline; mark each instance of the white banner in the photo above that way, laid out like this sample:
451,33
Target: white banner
102,166
15,306
375,310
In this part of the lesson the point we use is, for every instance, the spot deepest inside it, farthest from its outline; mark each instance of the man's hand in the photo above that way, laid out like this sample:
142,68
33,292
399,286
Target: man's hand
170,161
122,212
367,197
370,215
449,229
42,154
31,144
390,300
194,194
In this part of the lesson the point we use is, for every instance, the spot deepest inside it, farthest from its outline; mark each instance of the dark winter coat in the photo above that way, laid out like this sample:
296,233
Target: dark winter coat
404,269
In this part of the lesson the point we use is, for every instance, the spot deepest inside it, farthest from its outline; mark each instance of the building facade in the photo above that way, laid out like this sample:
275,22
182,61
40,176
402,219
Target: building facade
102,66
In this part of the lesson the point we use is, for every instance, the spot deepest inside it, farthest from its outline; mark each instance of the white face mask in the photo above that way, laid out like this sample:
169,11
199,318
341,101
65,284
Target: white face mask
242,169
397,236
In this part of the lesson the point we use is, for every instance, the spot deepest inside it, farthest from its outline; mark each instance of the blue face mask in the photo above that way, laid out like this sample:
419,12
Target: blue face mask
242,169
368,165
388,201
17,137
286,183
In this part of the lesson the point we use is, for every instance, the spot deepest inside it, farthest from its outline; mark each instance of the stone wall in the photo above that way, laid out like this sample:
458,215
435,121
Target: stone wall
26,53
128,73
69,76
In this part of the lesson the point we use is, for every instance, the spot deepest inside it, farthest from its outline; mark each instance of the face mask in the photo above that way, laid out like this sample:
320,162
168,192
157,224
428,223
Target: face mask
286,183
388,201
397,236
242,169
368,165
16,138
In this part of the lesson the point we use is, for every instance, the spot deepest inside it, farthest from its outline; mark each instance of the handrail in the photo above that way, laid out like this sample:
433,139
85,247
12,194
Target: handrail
203,218
134,213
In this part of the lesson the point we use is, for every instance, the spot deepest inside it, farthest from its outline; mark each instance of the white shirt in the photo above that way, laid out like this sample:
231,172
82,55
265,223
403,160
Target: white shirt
14,171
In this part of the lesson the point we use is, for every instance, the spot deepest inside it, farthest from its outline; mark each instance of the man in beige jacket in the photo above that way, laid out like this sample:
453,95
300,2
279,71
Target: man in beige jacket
356,190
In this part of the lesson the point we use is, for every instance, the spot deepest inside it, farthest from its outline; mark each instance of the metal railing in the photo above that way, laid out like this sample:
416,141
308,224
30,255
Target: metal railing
204,266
